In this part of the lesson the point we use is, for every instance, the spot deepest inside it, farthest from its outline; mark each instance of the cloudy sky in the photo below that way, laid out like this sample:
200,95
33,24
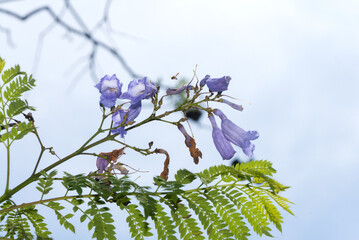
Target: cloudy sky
293,63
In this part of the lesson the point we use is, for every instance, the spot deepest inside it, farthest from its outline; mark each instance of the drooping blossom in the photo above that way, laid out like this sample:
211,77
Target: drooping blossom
171,91
118,119
191,144
237,135
216,84
232,105
125,116
139,89
223,146
110,89
101,164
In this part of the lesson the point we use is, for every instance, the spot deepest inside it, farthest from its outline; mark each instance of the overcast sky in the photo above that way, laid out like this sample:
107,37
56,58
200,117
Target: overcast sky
296,62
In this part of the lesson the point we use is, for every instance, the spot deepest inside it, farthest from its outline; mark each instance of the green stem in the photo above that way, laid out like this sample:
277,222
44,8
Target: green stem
8,164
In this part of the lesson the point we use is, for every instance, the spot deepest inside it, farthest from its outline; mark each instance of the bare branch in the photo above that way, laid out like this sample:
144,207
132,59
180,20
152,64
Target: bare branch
84,34
9,40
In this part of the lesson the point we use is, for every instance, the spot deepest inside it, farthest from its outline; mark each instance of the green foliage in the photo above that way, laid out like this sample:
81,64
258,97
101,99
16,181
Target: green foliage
227,202
163,224
2,64
18,86
9,74
57,207
215,226
18,223
137,223
18,106
45,184
14,84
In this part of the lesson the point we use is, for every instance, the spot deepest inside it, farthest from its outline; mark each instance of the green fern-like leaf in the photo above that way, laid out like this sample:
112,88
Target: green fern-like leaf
37,222
10,74
263,203
18,106
75,182
137,223
216,228
17,87
2,117
262,166
255,218
281,201
163,224
44,184
229,214
210,174
2,64
184,176
102,222
187,226
61,218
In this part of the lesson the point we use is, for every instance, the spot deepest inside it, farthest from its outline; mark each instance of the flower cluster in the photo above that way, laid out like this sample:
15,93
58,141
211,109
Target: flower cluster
138,89
229,132
223,136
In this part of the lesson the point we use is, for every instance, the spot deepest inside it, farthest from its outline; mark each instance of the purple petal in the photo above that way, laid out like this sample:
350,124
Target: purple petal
233,105
204,80
218,84
237,135
110,89
139,89
223,146
129,114
101,164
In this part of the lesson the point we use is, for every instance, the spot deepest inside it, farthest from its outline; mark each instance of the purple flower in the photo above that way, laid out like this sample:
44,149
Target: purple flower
110,89
101,164
216,84
129,114
237,135
171,91
223,146
139,89
232,105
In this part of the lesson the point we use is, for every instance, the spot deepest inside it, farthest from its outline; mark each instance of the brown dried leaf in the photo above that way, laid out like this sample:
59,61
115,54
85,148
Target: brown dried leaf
114,155
164,173
195,152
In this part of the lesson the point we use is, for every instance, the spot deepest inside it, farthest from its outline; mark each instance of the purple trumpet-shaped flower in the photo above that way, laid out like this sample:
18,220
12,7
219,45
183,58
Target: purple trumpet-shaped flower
125,116
101,164
223,146
216,84
139,89
237,135
171,91
110,89
232,105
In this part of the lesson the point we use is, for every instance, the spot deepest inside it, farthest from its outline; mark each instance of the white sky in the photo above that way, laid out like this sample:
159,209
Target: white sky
295,61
